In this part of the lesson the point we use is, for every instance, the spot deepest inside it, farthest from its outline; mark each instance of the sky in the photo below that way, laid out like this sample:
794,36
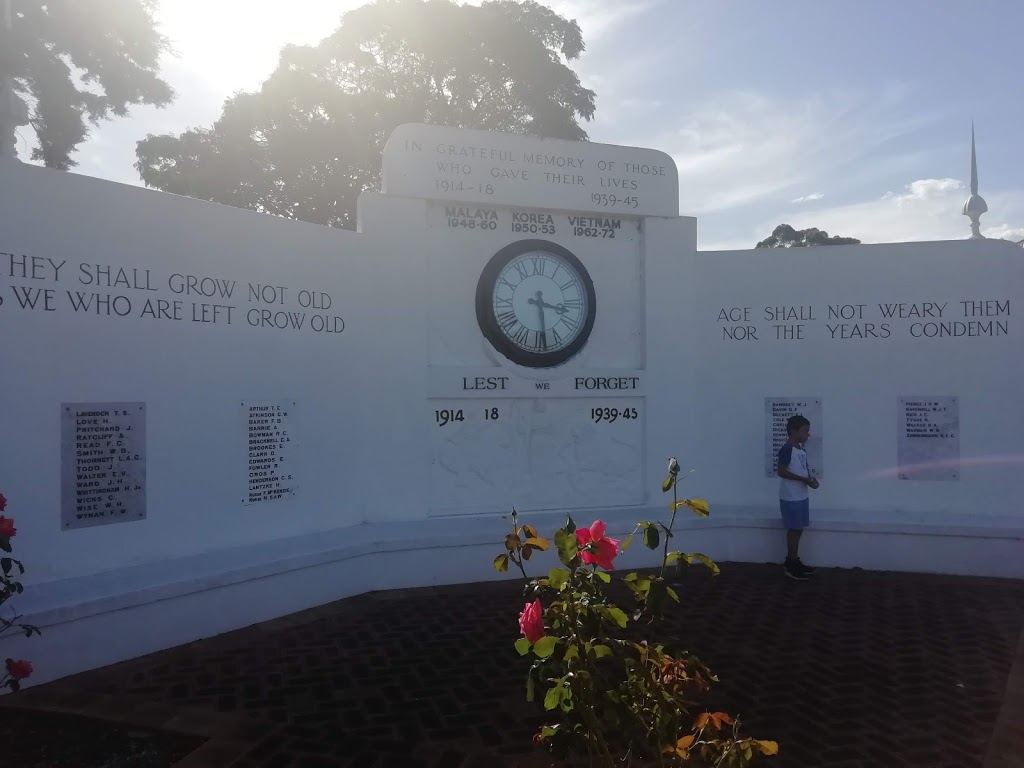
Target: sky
852,117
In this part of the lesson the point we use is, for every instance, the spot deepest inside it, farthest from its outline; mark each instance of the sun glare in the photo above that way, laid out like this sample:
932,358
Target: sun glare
234,44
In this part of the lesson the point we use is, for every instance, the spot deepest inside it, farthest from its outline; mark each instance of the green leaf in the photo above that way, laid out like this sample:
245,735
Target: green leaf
501,563
531,690
625,544
570,526
5,544
538,543
572,653
523,646
554,696
603,577
656,595
6,563
18,588
545,646
558,578
672,593
697,506
667,485
600,651
671,557
704,560
568,548
651,537
616,615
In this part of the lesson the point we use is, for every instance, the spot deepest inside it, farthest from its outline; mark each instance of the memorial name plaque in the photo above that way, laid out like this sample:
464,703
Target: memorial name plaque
103,463
440,163
928,447
777,411
270,444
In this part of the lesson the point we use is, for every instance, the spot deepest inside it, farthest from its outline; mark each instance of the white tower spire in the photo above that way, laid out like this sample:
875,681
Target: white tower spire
975,205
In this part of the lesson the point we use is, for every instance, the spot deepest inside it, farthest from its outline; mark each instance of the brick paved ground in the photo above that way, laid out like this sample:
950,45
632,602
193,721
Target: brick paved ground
852,670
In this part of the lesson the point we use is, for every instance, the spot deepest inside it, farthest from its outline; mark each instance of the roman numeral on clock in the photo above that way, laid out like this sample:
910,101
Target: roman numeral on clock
507,320
521,335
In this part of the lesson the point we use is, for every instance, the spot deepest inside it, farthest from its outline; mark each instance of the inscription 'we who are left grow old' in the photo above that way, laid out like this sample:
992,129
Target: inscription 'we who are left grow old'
45,284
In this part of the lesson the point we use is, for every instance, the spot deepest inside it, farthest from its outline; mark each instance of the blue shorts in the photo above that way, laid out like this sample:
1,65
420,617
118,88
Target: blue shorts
796,515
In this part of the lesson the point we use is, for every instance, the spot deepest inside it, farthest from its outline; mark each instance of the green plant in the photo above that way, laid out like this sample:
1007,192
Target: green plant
618,698
14,671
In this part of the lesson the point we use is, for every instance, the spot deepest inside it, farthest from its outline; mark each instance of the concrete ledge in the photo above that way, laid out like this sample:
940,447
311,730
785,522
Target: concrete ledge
108,617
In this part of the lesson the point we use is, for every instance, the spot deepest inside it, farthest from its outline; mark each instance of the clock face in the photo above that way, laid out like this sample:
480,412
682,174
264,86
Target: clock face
535,303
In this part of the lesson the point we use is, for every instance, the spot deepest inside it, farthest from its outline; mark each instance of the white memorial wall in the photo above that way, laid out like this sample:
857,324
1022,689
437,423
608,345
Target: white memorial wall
214,417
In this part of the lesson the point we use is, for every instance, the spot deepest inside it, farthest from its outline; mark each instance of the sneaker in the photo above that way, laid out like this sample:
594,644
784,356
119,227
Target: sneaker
805,568
793,570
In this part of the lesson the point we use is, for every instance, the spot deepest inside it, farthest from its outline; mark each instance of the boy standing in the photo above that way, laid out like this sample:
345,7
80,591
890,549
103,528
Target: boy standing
794,500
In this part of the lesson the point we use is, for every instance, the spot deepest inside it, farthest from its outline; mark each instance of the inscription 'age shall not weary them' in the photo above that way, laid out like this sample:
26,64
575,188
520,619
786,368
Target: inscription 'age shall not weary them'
925,319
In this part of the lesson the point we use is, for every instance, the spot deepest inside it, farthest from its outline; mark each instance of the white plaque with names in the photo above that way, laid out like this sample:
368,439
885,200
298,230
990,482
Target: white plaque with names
928,445
439,163
777,411
103,464
270,450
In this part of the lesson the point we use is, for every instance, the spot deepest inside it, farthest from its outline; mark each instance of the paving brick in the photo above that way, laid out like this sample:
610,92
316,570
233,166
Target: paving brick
855,667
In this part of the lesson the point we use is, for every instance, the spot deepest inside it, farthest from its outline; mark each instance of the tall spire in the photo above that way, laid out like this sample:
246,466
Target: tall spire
975,205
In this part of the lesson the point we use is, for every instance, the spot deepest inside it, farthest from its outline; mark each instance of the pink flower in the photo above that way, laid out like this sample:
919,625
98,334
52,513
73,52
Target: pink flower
7,528
19,670
531,621
605,549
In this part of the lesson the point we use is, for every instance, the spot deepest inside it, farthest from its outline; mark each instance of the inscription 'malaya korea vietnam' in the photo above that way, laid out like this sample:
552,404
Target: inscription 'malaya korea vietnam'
502,169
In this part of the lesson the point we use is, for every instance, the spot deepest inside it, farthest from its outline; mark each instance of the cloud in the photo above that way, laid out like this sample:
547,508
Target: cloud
744,148
925,209
809,198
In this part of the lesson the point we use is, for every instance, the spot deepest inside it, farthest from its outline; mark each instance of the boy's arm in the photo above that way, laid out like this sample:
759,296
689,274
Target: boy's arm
785,474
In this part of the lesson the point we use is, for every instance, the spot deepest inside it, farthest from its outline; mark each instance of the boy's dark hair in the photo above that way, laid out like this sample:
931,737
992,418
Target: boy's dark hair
795,423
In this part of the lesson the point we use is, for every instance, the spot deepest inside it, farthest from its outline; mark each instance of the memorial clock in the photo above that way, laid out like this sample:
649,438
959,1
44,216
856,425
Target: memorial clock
535,303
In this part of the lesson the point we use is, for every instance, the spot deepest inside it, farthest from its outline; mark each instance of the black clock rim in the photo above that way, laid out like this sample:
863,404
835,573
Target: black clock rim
488,322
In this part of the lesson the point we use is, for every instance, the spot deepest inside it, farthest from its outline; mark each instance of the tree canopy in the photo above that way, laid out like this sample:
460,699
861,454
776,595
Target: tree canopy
784,236
310,140
77,62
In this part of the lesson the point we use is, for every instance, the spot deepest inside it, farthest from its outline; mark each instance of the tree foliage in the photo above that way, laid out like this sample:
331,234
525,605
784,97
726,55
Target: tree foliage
784,236
310,140
77,62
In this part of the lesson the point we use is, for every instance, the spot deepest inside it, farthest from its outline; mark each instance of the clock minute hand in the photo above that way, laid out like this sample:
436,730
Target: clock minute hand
542,334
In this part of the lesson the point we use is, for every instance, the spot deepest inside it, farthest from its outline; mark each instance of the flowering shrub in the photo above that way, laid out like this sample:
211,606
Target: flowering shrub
618,697
14,671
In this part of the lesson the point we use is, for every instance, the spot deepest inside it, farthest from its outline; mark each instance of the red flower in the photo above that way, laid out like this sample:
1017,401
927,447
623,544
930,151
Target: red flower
531,621
19,670
3,503
7,528
605,549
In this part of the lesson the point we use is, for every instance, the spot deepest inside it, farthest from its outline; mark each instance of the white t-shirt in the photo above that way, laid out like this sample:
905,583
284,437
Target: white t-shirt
796,460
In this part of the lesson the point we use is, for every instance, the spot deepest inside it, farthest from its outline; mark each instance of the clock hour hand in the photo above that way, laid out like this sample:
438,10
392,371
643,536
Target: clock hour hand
539,301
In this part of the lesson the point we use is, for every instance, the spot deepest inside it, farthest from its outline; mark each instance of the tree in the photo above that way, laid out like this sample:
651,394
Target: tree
75,61
784,236
310,140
